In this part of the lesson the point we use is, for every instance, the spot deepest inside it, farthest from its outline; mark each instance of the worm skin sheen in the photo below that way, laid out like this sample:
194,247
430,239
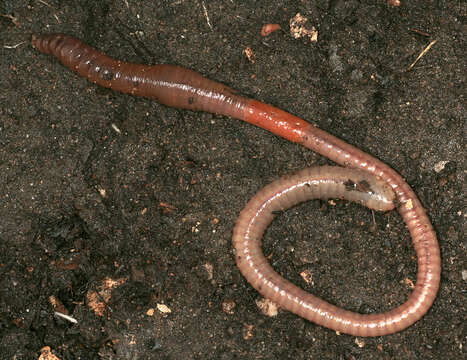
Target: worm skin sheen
372,184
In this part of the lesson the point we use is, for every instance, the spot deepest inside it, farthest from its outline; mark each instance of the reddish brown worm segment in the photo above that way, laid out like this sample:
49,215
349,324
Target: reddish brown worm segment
182,88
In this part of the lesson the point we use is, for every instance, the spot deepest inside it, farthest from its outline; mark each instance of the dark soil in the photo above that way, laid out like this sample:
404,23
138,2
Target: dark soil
98,186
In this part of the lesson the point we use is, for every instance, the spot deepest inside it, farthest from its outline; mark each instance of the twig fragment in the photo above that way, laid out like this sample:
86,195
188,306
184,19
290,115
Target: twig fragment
206,15
422,54
13,46
420,32
43,2
13,19
66,317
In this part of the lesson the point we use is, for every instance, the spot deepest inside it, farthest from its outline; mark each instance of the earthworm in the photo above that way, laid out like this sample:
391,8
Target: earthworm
182,88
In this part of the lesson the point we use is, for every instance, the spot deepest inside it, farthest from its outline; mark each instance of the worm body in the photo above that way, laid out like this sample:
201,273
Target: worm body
373,184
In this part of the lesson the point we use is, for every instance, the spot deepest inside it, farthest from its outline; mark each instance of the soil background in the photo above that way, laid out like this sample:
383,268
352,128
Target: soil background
116,209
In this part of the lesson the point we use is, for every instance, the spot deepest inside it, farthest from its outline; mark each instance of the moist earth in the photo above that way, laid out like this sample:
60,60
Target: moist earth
118,211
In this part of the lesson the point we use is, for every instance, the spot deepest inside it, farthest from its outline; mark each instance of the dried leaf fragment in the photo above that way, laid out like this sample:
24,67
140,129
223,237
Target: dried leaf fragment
267,307
97,300
163,308
46,354
248,332
269,28
307,275
228,306
250,54
394,2
298,28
